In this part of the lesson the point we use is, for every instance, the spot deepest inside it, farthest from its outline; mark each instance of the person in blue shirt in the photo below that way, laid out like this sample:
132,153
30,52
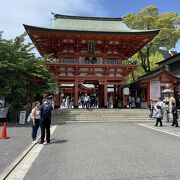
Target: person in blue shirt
151,109
158,115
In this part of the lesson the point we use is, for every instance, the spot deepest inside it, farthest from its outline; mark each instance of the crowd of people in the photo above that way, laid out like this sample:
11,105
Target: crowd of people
84,101
41,112
92,101
166,110
130,102
160,109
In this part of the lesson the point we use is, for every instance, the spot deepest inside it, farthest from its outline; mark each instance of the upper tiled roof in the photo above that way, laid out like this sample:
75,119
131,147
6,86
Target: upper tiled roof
99,24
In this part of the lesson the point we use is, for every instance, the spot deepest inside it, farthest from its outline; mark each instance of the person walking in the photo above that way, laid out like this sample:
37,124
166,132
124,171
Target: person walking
130,101
167,112
138,102
174,113
133,102
110,102
158,116
171,100
86,101
68,100
35,116
151,109
45,120
82,100
161,104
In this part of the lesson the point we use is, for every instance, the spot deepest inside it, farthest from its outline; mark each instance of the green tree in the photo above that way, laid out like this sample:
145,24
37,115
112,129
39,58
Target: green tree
149,18
140,71
23,77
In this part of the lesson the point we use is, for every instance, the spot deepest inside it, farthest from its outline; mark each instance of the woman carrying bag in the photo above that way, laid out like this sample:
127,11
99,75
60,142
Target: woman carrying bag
35,115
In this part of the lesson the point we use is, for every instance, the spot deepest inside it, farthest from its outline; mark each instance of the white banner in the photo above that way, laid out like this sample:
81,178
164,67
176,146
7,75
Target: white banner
3,112
155,90
22,117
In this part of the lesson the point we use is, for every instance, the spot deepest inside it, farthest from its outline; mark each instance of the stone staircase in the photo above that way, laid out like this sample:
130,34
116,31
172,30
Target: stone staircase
61,116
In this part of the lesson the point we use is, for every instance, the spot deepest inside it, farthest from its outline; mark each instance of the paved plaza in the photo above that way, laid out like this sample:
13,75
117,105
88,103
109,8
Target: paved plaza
98,151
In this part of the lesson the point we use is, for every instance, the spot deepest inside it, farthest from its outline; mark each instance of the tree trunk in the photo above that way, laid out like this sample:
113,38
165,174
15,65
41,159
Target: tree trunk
132,75
143,61
13,115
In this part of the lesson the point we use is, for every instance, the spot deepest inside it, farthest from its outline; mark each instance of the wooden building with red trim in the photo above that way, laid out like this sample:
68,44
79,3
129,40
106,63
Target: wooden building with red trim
153,85
89,50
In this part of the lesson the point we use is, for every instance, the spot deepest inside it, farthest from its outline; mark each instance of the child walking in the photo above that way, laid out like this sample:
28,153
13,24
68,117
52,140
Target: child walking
158,116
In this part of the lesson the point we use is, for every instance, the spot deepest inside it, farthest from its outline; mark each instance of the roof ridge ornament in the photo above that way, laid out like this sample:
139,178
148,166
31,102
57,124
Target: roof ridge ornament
63,16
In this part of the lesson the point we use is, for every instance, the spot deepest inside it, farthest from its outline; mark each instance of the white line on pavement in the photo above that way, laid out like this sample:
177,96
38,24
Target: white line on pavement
164,131
22,168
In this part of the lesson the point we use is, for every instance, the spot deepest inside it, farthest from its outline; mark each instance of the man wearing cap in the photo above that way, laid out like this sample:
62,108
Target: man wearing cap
45,120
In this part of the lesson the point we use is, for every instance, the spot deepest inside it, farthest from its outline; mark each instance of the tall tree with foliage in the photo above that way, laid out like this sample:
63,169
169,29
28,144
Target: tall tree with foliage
140,71
22,75
149,18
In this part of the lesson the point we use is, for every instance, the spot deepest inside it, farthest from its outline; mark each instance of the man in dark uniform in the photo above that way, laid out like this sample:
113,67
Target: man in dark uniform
174,113
45,121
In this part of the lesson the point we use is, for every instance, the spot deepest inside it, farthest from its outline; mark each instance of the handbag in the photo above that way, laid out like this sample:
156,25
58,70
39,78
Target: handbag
29,119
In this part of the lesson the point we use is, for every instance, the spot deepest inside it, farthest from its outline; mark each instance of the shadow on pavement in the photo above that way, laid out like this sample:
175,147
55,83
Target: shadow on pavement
56,141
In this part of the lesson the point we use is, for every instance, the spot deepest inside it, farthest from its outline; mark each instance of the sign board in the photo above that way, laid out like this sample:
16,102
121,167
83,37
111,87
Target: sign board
155,90
22,117
126,90
3,112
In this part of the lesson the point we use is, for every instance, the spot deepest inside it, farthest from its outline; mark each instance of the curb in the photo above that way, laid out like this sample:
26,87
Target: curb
13,165
108,121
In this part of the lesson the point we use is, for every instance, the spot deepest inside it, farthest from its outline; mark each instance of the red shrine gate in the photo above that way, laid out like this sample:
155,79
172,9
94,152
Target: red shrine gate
89,50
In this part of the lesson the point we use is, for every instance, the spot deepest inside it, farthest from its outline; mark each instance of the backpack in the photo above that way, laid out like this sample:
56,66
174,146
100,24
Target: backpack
46,111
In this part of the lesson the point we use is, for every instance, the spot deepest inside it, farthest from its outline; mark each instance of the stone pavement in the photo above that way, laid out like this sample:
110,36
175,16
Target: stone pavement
13,147
166,128
108,151
20,138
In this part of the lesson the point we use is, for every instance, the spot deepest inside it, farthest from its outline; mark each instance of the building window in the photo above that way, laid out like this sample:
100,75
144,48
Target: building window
69,60
87,60
94,60
112,61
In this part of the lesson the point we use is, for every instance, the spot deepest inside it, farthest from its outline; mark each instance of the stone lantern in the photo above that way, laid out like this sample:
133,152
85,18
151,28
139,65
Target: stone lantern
167,92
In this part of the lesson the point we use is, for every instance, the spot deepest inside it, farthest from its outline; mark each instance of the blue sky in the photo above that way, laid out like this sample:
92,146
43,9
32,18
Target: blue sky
38,12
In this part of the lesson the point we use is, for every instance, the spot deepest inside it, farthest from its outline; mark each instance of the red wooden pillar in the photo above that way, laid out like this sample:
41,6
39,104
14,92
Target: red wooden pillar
56,100
105,94
76,94
115,96
100,96
119,92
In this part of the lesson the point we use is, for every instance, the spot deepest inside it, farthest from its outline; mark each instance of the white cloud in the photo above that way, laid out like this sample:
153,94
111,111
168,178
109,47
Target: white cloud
38,12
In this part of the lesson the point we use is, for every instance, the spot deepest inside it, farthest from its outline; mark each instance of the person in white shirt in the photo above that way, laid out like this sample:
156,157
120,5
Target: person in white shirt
87,101
162,105
35,115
